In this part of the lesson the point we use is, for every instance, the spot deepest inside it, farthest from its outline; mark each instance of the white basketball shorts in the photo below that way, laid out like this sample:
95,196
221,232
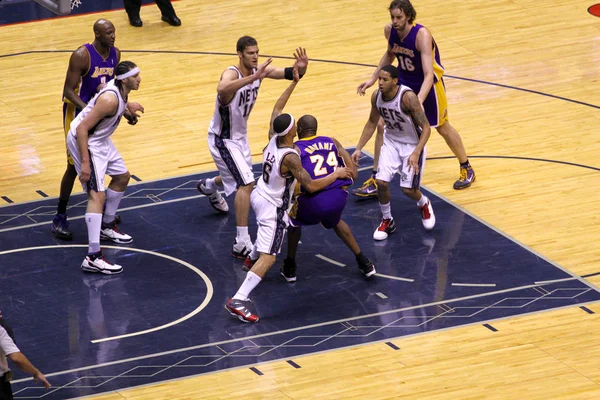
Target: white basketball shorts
233,160
394,159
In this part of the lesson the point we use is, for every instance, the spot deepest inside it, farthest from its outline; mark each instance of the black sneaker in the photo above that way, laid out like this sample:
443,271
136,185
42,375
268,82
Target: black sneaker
366,267
288,270
60,227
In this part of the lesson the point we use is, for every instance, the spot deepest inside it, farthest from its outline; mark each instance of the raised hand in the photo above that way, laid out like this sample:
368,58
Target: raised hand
301,57
262,71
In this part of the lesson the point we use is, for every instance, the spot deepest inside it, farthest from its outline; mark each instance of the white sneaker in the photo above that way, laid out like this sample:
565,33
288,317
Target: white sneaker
242,249
427,216
216,200
97,263
113,233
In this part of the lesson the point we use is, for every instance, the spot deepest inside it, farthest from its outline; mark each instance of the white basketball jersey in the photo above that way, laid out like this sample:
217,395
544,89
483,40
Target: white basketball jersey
273,186
230,121
399,126
107,126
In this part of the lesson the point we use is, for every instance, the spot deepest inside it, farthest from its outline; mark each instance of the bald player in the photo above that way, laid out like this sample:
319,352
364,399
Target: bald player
91,66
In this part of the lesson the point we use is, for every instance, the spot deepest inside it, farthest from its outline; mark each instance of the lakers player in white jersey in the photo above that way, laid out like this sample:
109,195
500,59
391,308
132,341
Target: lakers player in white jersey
95,155
271,201
227,134
403,150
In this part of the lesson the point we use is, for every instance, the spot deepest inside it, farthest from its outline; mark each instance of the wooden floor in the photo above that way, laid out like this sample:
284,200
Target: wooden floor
552,208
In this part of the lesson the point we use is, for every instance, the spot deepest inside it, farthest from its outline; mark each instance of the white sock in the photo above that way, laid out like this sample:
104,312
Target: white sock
94,224
210,184
251,281
422,201
386,210
113,199
242,233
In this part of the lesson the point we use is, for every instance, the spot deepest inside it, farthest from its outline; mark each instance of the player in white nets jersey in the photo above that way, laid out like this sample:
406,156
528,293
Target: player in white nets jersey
271,202
227,134
403,151
95,155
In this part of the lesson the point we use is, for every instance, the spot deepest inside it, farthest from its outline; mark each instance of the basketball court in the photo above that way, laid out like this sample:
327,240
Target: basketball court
499,299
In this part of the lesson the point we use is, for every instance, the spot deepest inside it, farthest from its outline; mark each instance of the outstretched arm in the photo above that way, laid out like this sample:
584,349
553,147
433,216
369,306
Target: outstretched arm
229,83
292,162
387,59
283,99
301,62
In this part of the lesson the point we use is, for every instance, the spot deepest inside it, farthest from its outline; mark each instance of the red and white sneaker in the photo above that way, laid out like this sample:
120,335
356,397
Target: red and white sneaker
97,263
112,232
243,249
238,309
427,216
386,227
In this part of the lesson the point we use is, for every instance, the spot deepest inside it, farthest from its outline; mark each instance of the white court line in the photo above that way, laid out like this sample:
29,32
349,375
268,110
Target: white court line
383,296
338,321
209,286
554,281
396,278
477,284
329,260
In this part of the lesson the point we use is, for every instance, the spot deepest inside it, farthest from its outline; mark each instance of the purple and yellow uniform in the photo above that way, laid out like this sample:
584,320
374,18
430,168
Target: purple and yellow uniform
411,74
100,70
320,157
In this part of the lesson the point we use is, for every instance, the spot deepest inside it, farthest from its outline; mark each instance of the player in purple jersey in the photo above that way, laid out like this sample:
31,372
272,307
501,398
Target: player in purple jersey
320,157
91,66
420,68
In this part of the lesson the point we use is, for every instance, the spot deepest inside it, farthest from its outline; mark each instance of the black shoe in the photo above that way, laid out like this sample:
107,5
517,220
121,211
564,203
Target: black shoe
365,266
60,227
288,270
136,21
171,20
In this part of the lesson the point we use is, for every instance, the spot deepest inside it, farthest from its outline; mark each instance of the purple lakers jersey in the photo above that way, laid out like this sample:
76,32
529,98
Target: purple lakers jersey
320,157
100,71
410,67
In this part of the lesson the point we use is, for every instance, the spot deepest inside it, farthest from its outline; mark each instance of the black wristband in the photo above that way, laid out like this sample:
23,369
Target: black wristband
289,73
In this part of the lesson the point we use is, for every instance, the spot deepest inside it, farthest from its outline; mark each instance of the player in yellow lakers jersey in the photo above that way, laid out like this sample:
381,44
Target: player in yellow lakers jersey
420,68
91,66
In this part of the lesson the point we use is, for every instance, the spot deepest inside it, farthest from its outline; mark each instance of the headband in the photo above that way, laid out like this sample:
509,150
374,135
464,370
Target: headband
129,73
289,128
